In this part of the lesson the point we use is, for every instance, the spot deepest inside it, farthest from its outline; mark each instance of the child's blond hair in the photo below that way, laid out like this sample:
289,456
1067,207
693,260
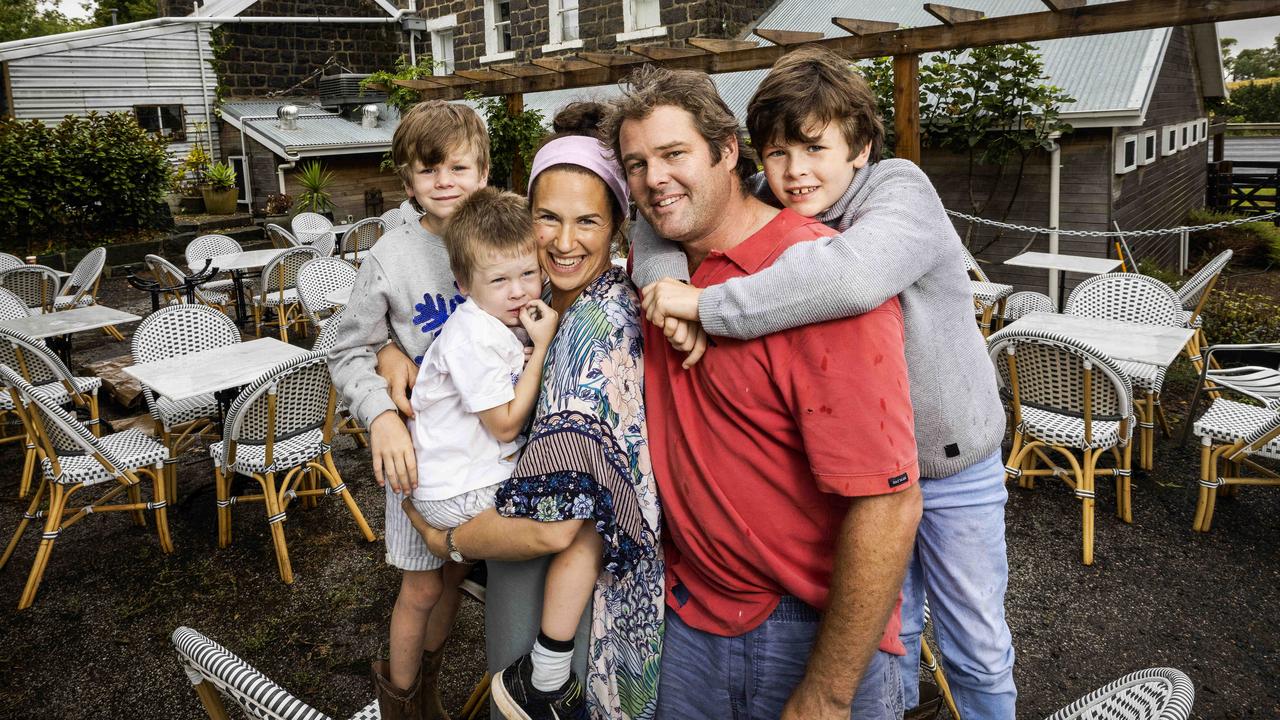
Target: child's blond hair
489,222
433,129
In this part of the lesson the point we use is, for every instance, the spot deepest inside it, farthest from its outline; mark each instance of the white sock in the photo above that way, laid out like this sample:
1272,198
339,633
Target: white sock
551,668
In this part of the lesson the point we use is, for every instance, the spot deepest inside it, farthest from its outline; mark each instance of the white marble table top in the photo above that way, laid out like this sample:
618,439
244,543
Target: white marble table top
340,229
206,371
65,322
1151,344
1069,263
247,260
339,296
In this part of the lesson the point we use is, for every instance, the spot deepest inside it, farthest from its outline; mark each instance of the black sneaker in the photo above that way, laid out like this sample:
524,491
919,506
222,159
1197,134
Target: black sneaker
518,699
474,583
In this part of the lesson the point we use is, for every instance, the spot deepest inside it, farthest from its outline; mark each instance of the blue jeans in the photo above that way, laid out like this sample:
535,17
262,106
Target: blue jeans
959,562
751,676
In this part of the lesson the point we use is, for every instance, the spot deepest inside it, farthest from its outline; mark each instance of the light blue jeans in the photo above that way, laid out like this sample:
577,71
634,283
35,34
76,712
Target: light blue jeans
959,562
751,676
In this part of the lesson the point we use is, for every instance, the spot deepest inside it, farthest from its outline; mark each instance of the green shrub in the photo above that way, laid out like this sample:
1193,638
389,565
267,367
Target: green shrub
1254,244
1253,102
83,180
1237,317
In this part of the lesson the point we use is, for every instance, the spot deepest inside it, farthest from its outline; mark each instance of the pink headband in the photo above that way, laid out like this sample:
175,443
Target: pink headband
585,152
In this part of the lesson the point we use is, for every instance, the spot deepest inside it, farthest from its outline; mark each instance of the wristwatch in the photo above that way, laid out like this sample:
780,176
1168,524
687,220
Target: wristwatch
454,554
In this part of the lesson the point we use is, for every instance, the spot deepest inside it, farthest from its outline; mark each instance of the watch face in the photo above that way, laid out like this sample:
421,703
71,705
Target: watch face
455,556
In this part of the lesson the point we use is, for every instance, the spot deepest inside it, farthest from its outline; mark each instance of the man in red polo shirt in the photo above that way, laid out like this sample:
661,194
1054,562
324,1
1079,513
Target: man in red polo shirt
786,465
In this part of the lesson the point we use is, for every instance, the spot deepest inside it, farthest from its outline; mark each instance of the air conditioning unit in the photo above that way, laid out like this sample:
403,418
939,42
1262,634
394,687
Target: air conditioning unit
344,89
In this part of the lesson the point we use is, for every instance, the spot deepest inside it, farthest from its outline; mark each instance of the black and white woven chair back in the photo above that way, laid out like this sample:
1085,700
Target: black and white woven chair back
179,330
36,285
324,244
1126,296
328,336
1191,291
301,388
10,261
11,306
319,277
282,272
392,218
84,276
306,224
971,265
68,435
1027,301
206,661
281,237
1154,694
171,275
1265,428
1051,370
362,236
409,211
42,365
207,246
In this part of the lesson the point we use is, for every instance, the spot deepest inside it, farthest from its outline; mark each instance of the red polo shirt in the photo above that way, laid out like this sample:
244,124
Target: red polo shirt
757,448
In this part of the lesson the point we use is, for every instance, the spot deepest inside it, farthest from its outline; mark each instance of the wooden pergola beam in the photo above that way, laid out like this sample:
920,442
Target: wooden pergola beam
659,52
863,27
1028,27
485,75
1060,5
950,16
610,59
720,45
788,37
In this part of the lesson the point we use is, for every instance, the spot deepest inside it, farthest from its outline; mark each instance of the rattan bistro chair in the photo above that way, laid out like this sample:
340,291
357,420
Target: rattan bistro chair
72,458
362,236
307,225
216,672
210,246
1066,397
316,279
278,431
11,308
1154,694
170,275
1027,301
81,288
280,290
45,370
37,285
392,218
8,261
1194,294
988,297
1140,299
325,341
280,238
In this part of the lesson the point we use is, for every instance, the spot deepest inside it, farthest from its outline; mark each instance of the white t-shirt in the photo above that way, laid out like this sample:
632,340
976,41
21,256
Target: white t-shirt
471,367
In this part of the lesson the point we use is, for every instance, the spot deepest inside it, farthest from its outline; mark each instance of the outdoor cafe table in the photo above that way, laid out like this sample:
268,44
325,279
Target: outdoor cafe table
1157,345
57,327
1063,264
237,264
221,371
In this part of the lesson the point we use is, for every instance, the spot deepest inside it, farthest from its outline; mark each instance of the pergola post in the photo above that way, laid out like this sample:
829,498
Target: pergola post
515,106
906,106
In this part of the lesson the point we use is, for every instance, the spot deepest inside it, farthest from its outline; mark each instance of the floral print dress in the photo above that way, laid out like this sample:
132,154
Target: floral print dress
588,459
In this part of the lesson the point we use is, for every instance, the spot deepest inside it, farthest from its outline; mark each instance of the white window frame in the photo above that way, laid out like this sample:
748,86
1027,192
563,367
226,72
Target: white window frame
491,35
1195,132
1123,144
1184,135
631,28
555,29
1204,128
1149,138
1168,140
442,29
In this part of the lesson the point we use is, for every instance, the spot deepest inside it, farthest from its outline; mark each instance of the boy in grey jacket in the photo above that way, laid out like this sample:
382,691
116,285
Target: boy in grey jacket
815,124
403,294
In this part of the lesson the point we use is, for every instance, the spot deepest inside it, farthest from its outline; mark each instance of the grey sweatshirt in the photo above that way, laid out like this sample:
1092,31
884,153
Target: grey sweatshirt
404,292
896,240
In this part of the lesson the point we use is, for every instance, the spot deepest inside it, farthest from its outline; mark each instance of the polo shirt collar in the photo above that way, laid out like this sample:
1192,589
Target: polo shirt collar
751,254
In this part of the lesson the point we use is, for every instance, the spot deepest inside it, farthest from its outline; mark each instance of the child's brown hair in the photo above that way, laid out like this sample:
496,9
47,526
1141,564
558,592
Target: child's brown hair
489,222
809,87
433,129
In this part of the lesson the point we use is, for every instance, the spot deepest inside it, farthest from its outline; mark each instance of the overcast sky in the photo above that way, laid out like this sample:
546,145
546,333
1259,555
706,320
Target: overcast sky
1256,33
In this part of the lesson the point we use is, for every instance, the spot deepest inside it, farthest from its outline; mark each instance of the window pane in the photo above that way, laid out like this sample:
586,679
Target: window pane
171,119
1130,154
504,10
504,37
645,13
148,117
570,19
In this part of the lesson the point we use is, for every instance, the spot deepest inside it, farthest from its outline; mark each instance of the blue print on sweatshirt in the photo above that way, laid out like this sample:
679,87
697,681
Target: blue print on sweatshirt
433,311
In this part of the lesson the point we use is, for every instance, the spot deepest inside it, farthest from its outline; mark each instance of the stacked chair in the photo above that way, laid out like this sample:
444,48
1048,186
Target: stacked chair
988,297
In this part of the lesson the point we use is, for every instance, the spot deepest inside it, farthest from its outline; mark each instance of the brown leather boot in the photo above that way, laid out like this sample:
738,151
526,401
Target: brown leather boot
394,703
429,688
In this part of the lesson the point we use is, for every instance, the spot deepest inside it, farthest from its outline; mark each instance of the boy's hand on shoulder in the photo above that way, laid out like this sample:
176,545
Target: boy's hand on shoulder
668,298
394,461
540,321
687,337
399,371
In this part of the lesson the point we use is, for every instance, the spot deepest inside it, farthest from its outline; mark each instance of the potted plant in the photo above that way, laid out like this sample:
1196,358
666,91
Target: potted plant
315,182
220,189
190,176
278,207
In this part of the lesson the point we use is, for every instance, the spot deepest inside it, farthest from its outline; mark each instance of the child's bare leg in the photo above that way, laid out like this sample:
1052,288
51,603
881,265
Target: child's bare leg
419,592
440,623
570,581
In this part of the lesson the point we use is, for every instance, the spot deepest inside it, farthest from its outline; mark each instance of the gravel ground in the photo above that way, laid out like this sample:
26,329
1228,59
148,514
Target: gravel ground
95,645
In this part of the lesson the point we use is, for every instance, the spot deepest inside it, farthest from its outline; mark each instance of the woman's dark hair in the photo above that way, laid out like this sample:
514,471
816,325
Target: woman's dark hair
581,118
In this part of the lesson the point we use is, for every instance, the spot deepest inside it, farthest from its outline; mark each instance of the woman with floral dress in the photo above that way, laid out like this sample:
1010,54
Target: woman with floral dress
587,457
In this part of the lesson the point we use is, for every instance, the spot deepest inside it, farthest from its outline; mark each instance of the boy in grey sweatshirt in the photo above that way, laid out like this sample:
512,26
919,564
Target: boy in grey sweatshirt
403,294
815,124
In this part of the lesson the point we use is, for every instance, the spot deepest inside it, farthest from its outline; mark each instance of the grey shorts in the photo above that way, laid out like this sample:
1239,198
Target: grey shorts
405,547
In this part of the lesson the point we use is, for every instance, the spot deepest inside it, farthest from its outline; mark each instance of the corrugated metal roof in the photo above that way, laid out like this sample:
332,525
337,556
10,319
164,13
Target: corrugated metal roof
1106,74
318,130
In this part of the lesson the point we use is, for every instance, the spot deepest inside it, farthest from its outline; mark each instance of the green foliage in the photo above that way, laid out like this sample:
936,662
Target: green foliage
221,176
510,137
126,11
1253,244
1255,102
1236,317
401,98
193,171
1257,63
879,75
315,182
87,178
20,19
279,204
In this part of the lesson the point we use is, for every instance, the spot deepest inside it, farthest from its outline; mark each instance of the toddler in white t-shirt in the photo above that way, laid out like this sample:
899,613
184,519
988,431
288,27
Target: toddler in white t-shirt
474,392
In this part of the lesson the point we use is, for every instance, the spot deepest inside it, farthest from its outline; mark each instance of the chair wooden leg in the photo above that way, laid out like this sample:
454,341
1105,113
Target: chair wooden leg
113,332
1085,490
58,496
282,321
1212,500
29,467
160,499
27,517
1164,421
95,417
1206,477
1013,455
222,481
335,480
275,519
212,702
928,659
135,497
